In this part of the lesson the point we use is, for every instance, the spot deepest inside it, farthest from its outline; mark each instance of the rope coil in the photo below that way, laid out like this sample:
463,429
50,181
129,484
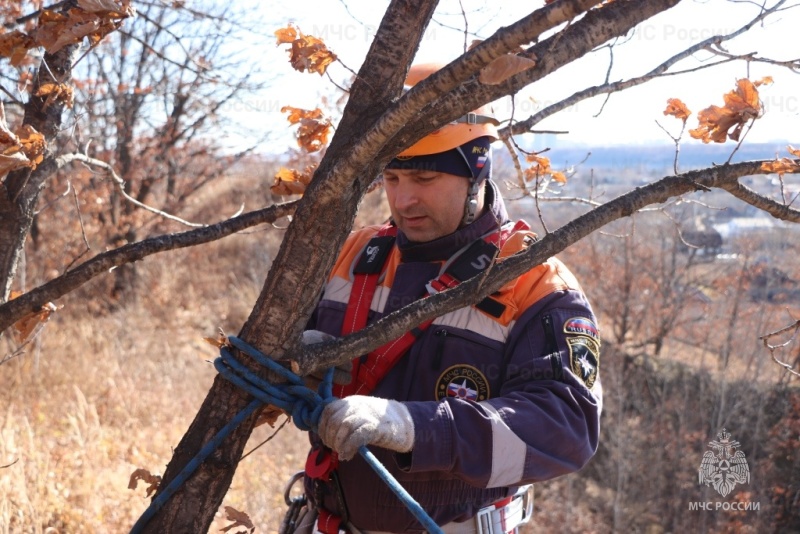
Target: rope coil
293,397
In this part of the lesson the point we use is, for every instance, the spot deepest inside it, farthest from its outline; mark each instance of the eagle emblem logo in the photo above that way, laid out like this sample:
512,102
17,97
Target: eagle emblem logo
725,465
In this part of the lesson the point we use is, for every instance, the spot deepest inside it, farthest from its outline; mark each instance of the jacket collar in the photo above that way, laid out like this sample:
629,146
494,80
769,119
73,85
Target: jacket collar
444,247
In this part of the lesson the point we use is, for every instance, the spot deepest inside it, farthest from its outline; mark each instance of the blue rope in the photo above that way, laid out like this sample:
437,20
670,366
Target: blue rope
304,404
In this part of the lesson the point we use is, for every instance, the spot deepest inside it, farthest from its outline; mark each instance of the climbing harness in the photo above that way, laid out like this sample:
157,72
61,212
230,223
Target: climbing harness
471,260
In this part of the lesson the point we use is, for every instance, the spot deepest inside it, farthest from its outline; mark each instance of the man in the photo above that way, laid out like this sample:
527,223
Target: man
481,402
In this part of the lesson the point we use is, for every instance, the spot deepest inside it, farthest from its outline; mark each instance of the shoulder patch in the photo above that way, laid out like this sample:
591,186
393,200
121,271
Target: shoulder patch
462,382
584,358
581,326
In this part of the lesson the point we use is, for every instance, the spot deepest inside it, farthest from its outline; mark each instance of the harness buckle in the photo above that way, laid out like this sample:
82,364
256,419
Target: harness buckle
507,515
483,521
431,289
527,505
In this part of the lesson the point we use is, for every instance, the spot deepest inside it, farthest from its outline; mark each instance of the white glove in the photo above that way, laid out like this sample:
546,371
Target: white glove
347,424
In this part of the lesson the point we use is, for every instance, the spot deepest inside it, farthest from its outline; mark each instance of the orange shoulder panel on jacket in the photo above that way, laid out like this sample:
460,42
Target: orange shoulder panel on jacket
534,285
351,251
543,280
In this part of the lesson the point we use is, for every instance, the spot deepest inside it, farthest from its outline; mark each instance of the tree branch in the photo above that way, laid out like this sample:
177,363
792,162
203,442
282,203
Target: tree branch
794,328
14,310
394,325
776,209
68,158
659,71
413,104
579,38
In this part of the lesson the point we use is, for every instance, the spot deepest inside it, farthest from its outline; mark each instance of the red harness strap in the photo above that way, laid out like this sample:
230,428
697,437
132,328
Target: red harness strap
365,283
367,373
327,522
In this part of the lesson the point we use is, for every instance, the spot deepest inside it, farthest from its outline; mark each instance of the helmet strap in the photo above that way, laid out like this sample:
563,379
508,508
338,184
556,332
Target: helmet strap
471,204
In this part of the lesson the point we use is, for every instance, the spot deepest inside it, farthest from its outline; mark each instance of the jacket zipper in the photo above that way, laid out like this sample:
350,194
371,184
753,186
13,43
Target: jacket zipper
436,363
549,335
442,334
551,349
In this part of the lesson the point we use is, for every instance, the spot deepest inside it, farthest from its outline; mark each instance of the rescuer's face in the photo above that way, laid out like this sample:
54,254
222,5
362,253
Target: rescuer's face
425,205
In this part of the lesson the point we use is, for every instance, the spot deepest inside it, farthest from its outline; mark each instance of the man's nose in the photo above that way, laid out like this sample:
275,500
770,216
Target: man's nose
405,196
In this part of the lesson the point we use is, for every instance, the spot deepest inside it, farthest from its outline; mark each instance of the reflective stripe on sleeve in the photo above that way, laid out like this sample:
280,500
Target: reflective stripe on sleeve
508,451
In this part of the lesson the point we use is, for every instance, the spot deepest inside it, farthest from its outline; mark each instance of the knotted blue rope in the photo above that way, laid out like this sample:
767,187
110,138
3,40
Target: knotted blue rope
293,397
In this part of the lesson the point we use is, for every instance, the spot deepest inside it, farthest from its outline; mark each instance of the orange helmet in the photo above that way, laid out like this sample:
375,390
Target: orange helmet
478,123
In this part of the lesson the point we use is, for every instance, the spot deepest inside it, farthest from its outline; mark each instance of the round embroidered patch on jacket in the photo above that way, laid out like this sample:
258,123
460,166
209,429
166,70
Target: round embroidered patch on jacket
584,358
462,382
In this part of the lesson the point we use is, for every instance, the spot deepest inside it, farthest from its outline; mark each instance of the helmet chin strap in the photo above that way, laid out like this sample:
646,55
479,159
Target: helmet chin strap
475,183
471,204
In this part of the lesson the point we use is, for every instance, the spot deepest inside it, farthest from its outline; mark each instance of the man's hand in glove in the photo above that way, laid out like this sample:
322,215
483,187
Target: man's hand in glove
347,424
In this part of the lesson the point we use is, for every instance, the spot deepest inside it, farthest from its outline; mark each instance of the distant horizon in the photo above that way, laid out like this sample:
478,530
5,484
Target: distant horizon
657,156
686,143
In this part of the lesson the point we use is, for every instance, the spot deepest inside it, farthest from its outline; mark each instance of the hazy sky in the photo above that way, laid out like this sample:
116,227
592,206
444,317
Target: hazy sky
347,26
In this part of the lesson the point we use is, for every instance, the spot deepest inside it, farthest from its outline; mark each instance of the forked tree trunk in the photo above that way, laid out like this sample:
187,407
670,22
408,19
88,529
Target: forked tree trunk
320,226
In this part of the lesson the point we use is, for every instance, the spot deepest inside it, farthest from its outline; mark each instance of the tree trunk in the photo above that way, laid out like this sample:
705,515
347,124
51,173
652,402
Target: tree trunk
320,226
19,192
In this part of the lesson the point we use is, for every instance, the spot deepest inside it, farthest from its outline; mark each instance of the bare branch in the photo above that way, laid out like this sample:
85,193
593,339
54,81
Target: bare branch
575,200
83,232
13,310
394,325
9,465
515,159
794,328
659,71
413,103
67,158
776,209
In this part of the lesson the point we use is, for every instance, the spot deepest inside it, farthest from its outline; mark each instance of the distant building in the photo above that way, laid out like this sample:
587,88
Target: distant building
741,225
